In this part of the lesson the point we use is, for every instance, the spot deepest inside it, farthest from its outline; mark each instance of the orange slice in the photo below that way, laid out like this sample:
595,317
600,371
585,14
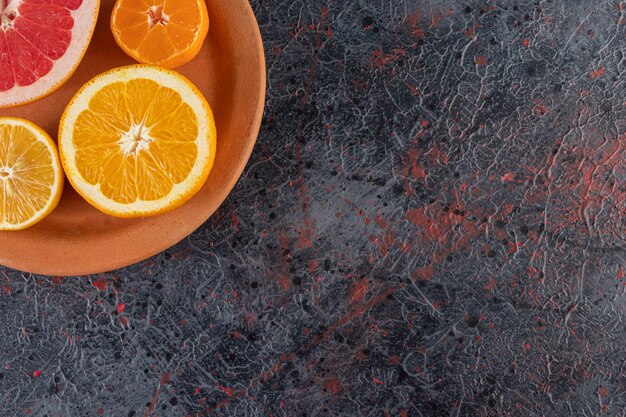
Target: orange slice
168,33
137,141
31,178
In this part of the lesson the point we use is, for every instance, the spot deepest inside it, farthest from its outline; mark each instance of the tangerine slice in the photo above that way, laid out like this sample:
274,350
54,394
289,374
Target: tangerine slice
168,33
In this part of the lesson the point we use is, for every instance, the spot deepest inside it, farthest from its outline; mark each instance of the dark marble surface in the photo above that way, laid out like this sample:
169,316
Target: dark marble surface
432,224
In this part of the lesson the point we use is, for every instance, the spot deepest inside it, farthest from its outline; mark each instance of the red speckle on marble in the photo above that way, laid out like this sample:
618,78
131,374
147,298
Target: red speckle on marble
36,373
414,18
525,42
381,59
100,284
424,273
480,60
414,168
306,235
7,288
359,290
100,411
377,381
417,217
155,396
419,33
313,265
360,355
283,277
234,220
250,319
380,222
324,12
597,73
285,282
540,110
515,246
412,21
438,155
57,280
603,391
508,177
414,90
471,31
121,307
228,391
332,385
394,360
436,18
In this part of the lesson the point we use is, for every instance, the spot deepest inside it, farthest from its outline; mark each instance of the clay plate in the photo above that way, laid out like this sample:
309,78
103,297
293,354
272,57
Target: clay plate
76,239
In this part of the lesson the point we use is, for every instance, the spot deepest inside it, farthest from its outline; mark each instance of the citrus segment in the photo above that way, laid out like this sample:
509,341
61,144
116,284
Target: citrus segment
41,44
31,179
159,32
137,141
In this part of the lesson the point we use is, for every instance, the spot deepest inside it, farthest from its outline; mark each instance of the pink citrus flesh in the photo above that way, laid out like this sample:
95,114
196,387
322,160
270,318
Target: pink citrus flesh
41,44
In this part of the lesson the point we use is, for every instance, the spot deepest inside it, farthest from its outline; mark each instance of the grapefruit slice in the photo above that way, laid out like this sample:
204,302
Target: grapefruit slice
41,44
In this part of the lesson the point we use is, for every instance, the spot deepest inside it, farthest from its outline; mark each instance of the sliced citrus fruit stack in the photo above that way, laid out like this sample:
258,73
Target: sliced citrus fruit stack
137,141
168,33
31,176
41,44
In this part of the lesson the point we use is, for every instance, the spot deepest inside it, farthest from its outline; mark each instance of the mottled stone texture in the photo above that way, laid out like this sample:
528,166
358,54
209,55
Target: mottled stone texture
431,224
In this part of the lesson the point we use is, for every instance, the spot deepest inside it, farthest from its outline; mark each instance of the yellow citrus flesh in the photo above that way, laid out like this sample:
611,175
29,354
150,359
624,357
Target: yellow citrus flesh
137,141
31,177
159,32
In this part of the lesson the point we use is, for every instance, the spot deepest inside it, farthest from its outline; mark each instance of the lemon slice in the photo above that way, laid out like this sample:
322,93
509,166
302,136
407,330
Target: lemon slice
31,178
137,141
